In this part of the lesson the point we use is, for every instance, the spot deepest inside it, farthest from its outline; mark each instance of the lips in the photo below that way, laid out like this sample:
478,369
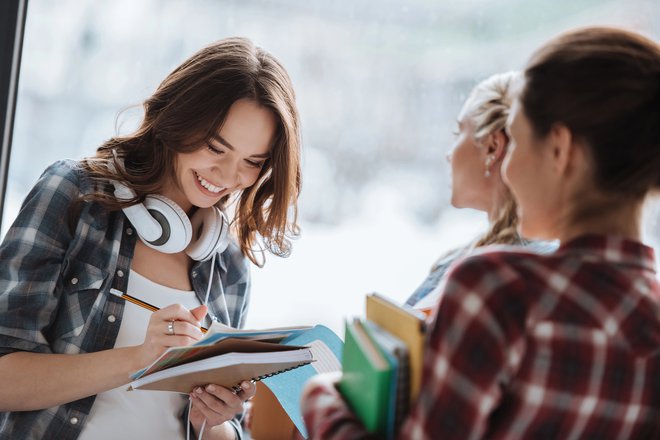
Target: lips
208,186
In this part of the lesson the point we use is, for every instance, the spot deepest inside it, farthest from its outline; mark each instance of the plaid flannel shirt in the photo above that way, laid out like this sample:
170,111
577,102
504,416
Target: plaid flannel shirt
55,282
440,267
525,346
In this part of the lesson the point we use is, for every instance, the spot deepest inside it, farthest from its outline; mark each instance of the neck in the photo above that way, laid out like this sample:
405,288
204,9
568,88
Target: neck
498,200
177,196
622,219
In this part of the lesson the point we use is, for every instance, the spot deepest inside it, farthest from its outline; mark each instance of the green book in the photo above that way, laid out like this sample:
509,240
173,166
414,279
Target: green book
366,379
396,354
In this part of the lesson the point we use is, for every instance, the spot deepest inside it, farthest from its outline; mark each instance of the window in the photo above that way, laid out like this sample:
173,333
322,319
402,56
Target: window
379,84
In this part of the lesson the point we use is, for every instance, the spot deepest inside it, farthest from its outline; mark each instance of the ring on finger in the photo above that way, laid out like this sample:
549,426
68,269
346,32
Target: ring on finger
170,328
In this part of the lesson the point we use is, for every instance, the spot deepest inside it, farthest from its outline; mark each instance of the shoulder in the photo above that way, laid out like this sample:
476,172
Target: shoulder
449,257
63,176
65,168
60,185
518,256
500,274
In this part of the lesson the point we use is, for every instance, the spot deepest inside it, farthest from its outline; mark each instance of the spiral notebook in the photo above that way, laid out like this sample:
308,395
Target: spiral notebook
212,344
234,361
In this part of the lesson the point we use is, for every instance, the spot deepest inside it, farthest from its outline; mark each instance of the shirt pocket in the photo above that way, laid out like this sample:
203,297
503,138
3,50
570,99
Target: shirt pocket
80,284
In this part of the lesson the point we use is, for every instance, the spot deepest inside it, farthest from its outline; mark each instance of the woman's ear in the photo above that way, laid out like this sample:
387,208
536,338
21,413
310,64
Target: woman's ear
496,145
563,148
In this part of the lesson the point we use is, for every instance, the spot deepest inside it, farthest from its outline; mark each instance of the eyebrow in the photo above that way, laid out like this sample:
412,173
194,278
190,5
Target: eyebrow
216,137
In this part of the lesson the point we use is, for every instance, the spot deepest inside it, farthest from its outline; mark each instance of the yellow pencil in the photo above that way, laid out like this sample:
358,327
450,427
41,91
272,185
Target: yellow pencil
141,303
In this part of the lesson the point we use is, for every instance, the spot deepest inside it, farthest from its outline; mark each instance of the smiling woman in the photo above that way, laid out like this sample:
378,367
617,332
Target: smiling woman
222,125
250,120
231,161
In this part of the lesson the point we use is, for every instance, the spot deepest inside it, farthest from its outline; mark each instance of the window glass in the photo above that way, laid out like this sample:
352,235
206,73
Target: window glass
379,84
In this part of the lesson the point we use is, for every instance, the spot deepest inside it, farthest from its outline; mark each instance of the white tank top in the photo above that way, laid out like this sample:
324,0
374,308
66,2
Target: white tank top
139,414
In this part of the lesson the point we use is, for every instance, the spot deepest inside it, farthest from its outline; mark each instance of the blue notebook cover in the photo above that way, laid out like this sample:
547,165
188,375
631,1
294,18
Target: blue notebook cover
326,349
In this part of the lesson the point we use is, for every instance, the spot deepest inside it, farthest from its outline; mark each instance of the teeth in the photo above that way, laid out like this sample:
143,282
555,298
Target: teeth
208,185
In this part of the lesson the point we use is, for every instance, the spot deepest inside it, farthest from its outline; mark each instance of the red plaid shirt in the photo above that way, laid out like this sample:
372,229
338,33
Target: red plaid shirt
560,346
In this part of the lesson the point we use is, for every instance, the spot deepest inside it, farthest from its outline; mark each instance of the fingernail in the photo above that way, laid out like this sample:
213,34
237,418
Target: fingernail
245,385
210,388
198,390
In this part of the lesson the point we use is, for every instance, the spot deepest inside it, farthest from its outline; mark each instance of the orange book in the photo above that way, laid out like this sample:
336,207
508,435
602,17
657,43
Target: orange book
407,324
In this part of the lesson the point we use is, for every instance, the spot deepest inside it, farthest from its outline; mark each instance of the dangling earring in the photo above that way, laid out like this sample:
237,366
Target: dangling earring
489,162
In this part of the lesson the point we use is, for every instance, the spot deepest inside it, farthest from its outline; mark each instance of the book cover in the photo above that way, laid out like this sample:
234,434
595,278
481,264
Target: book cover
396,353
405,323
226,369
326,349
366,379
205,347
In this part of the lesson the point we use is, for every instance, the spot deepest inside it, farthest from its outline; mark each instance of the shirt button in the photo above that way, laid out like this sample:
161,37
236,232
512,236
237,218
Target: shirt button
73,420
120,273
74,280
129,231
194,274
112,318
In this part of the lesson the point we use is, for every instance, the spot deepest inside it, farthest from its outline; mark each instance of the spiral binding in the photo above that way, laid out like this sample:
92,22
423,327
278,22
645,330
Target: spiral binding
237,388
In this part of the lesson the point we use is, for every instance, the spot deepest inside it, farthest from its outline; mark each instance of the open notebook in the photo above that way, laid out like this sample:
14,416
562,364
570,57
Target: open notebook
227,369
226,356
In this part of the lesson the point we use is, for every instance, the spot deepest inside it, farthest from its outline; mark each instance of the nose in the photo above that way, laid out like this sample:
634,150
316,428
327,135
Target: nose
233,177
450,153
229,173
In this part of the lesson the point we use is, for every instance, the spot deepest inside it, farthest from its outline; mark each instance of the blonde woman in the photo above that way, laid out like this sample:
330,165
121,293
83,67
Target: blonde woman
476,158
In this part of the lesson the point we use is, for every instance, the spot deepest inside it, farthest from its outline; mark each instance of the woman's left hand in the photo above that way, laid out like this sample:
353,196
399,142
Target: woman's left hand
217,404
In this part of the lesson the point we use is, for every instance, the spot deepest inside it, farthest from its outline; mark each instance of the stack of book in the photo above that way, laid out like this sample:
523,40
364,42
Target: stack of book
225,356
382,364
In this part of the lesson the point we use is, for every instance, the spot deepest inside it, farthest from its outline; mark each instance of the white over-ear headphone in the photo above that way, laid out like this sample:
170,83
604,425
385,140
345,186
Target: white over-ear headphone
162,225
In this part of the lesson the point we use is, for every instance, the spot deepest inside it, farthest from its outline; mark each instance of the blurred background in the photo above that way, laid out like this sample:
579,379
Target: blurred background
379,84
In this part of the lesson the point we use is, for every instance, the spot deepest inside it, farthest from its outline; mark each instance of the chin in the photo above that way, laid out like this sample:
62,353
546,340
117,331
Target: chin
204,203
456,202
200,201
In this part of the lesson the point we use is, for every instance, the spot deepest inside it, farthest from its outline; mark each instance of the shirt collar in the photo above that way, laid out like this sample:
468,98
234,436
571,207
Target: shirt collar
613,249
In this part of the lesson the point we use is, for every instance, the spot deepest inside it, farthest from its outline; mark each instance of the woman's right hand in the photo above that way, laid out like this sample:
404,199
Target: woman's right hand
171,326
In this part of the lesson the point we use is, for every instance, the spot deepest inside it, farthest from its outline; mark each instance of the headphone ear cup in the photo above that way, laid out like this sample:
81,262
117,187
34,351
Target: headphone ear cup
177,230
211,228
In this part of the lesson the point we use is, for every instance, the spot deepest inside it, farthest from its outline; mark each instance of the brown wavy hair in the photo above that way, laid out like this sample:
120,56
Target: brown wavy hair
604,85
183,114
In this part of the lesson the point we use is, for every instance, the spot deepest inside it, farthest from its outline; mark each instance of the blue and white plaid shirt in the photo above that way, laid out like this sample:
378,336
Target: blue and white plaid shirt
55,283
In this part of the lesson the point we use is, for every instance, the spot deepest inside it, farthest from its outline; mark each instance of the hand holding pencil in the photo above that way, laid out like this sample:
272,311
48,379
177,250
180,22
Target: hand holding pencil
171,326
146,305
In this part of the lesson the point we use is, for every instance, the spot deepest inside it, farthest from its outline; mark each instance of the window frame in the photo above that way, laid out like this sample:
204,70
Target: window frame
12,28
